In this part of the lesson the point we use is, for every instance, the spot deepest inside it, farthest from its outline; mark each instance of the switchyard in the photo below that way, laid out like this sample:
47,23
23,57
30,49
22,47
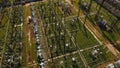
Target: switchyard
59,33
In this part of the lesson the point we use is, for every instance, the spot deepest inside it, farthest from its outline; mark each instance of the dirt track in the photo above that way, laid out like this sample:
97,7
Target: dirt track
28,34
28,50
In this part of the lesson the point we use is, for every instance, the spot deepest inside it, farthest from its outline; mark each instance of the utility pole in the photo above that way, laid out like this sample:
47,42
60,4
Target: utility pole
79,7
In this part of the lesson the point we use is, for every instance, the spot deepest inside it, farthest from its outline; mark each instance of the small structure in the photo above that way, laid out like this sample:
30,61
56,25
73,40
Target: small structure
66,8
102,23
29,19
61,62
95,52
73,59
67,44
67,47
117,63
110,66
42,65
72,22
84,6
74,65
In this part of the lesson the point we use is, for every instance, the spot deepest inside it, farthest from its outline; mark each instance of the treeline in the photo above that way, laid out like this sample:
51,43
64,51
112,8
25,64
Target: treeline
6,3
